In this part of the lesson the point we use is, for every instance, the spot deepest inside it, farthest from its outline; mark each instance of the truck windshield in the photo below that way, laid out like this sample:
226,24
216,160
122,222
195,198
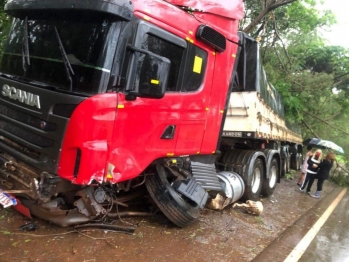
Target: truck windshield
68,55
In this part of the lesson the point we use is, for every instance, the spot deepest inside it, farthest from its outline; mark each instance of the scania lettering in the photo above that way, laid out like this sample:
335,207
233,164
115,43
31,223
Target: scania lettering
21,96
107,100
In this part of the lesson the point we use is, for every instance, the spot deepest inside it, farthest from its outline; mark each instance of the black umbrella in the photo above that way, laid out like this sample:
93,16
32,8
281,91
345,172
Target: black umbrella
313,142
323,144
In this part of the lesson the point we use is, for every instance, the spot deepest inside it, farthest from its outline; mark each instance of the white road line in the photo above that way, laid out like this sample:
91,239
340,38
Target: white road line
302,246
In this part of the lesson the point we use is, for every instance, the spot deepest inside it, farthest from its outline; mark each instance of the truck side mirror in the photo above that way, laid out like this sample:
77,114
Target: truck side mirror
151,76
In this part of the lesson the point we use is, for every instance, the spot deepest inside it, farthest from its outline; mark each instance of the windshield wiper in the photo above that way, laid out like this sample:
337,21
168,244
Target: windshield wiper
25,47
68,68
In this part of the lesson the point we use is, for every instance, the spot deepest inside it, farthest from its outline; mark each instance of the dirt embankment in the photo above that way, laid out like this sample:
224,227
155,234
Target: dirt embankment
228,235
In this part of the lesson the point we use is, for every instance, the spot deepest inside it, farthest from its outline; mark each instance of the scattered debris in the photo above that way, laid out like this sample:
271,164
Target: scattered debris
219,202
115,228
251,207
29,227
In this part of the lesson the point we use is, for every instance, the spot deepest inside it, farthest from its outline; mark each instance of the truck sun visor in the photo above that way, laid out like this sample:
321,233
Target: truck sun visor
211,37
122,8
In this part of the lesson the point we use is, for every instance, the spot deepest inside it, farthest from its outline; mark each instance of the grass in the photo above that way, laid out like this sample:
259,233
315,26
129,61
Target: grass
340,174
259,219
290,175
341,179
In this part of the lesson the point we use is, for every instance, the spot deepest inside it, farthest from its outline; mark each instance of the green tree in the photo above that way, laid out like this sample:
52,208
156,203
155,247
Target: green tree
312,77
5,23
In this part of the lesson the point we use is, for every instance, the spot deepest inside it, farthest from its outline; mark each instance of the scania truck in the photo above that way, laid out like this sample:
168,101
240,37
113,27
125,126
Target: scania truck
101,97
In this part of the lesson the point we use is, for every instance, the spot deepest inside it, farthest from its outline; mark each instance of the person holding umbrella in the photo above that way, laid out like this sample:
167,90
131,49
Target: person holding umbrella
322,174
312,169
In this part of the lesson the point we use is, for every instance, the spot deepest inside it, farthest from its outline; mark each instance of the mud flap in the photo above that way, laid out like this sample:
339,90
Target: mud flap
192,190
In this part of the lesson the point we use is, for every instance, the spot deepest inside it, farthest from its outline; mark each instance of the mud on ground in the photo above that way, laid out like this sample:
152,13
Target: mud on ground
228,235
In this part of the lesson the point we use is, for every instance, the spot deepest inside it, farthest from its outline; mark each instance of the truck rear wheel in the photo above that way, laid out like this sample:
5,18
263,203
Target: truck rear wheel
288,164
180,211
253,190
283,167
269,184
300,161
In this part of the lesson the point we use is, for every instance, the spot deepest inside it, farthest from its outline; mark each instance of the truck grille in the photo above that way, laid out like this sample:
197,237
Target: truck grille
22,133
25,118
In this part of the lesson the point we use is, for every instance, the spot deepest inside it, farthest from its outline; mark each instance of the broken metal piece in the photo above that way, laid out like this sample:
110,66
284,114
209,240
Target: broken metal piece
16,191
115,228
87,204
129,214
29,227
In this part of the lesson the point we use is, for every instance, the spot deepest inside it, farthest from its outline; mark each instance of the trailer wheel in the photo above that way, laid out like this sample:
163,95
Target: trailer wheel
269,184
283,168
180,211
253,190
300,161
288,164
297,162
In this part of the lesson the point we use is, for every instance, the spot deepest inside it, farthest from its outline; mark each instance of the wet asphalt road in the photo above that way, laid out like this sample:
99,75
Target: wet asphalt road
332,241
330,244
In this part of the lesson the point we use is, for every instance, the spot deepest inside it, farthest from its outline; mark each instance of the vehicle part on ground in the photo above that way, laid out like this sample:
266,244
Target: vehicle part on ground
115,228
56,215
129,214
28,227
250,165
233,187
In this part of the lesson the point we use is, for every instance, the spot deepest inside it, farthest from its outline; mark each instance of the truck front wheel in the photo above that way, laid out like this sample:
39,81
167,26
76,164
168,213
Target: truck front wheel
181,211
253,189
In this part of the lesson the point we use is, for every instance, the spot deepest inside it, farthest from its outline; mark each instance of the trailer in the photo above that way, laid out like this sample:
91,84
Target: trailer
101,98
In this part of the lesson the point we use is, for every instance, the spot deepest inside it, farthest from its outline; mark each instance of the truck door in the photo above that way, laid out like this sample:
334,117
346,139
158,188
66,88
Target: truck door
147,128
194,101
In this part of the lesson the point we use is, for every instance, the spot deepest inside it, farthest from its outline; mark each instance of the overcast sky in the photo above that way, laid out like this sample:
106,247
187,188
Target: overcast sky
338,35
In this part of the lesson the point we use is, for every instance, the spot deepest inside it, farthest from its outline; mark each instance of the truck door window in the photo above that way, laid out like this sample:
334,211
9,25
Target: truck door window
195,68
169,50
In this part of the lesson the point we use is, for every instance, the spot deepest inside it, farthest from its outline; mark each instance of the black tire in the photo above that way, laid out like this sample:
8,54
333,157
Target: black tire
297,162
288,164
253,190
269,184
300,161
181,212
283,167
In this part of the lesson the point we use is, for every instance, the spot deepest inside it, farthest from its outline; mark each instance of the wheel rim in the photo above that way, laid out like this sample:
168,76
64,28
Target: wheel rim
273,177
256,180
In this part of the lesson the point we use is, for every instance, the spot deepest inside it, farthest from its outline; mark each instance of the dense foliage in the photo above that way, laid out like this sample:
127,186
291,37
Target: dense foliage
5,23
312,76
